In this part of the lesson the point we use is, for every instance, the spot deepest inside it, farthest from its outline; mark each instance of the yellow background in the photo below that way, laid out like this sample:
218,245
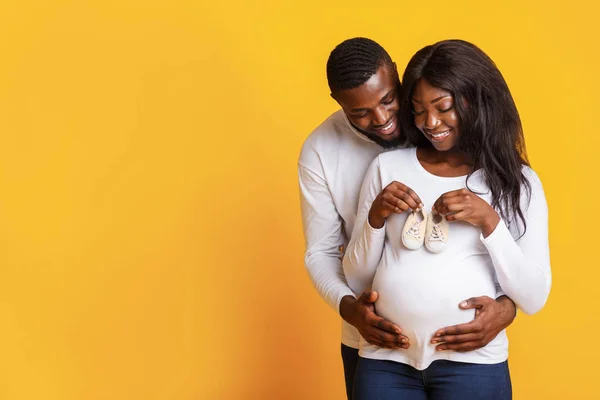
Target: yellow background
150,235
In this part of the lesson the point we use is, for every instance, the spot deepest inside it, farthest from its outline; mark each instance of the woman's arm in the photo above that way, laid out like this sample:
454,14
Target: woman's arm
366,243
523,265
375,206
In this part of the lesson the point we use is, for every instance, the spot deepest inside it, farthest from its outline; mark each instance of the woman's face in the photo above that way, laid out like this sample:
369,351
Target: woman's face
435,115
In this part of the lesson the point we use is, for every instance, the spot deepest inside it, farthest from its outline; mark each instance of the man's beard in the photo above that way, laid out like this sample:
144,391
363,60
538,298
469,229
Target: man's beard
386,144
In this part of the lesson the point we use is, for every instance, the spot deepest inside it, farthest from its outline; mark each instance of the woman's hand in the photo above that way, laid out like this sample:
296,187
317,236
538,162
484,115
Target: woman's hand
464,205
394,198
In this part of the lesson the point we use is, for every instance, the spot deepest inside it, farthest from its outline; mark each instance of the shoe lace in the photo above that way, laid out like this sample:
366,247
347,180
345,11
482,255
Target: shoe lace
414,229
436,234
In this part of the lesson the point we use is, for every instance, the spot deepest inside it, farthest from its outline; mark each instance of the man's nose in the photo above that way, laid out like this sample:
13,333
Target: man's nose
381,116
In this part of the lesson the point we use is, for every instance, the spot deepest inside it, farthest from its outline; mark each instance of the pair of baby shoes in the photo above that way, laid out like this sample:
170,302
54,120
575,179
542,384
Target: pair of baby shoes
422,228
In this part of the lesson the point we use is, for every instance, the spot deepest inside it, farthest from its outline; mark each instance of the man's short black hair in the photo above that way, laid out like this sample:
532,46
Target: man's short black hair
353,62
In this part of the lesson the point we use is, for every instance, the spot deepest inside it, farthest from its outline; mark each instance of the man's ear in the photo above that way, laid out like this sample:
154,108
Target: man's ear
335,96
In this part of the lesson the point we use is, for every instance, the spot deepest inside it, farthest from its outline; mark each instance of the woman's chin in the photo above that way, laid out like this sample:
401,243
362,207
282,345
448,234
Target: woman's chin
445,145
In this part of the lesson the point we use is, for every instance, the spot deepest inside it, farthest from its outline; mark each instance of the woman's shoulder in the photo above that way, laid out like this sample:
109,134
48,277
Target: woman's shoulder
531,188
531,176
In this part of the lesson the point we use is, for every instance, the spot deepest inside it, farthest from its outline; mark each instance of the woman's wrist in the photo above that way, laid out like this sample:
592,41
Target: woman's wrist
490,223
374,221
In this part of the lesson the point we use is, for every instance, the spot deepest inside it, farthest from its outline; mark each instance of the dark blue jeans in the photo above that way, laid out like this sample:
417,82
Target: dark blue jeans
350,359
442,380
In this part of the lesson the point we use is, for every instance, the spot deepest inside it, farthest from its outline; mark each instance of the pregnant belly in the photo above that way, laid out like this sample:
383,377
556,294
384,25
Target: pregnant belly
423,299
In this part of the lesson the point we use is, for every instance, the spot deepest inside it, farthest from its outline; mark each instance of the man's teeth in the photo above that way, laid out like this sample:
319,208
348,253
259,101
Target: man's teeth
388,126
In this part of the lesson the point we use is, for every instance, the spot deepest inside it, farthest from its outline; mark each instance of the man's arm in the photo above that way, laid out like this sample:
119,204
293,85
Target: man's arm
323,234
324,238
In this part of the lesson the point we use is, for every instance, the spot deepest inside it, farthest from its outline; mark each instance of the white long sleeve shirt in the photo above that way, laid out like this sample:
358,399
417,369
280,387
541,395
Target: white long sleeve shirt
331,167
420,291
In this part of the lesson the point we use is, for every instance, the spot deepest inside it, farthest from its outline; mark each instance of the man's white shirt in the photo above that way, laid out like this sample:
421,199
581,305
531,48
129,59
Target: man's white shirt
331,168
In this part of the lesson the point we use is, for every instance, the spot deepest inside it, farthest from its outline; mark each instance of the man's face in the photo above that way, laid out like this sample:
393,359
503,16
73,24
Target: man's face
373,107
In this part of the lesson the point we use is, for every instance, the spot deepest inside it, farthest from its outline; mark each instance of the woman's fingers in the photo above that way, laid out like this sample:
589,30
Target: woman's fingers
402,192
453,201
396,205
459,216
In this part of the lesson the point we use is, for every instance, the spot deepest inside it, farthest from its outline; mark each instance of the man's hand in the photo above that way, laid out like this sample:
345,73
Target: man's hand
360,313
491,317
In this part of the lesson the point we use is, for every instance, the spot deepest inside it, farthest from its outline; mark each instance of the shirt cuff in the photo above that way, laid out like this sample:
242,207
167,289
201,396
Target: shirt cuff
498,234
375,231
343,293
499,293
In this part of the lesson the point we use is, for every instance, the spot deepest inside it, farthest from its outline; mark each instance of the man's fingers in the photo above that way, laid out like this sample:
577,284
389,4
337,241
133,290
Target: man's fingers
470,327
369,297
475,302
387,326
395,345
379,337
389,345
467,337
460,347
397,342
373,341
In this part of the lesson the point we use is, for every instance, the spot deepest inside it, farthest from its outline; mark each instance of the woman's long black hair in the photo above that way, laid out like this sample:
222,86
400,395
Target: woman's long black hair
490,127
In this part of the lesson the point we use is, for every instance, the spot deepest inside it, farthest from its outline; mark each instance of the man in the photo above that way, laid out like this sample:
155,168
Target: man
333,161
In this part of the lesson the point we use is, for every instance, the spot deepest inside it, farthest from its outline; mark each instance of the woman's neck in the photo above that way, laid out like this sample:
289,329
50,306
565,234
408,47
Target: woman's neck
449,163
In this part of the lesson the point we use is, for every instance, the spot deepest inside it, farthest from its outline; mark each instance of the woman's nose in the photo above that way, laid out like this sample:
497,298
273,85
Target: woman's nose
432,121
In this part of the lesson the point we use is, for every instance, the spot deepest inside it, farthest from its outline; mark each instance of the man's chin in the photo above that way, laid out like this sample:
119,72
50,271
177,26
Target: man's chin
387,142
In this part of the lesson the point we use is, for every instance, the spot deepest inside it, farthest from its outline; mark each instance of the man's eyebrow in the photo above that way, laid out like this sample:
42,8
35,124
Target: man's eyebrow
366,109
388,94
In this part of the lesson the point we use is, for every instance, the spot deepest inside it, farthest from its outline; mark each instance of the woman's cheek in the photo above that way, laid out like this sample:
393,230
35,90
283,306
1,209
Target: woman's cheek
454,119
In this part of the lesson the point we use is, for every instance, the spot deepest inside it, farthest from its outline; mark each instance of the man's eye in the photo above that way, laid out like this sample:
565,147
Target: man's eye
390,101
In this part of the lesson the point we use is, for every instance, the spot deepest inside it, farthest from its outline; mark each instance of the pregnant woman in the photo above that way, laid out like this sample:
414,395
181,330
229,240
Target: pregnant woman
460,214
